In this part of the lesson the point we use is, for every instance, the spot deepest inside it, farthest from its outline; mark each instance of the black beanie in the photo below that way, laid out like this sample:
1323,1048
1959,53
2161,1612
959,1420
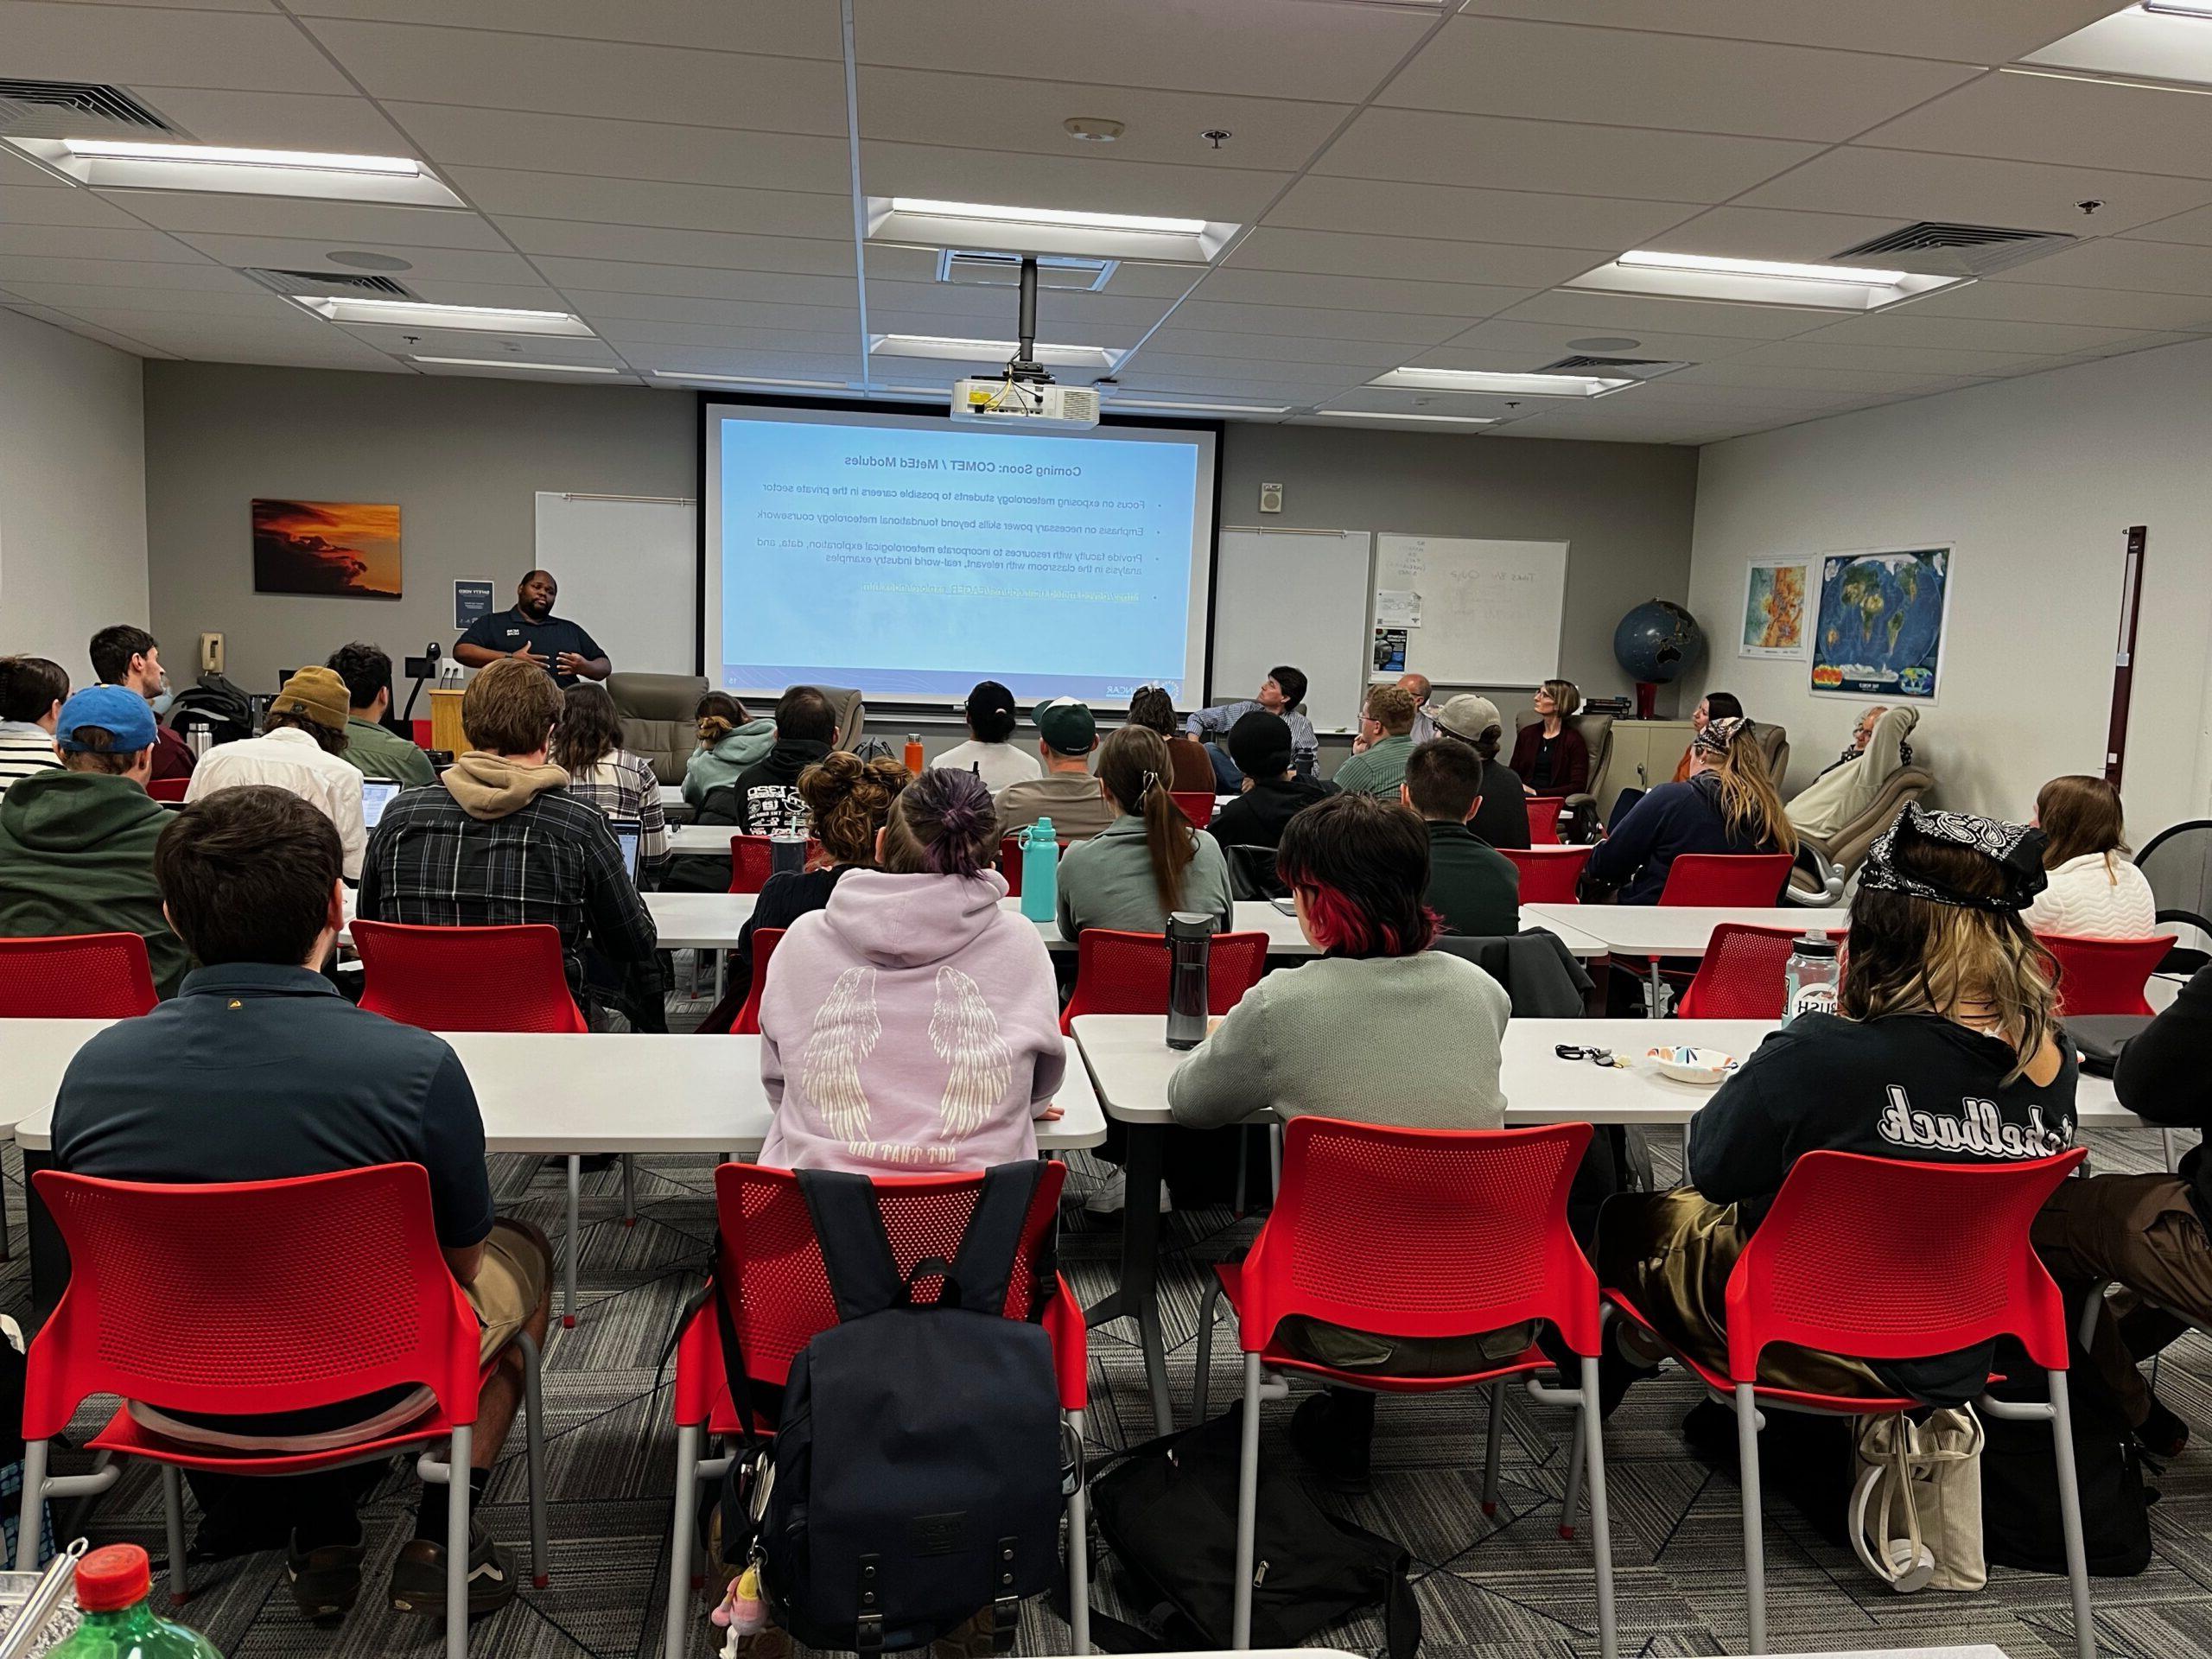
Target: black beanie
1259,744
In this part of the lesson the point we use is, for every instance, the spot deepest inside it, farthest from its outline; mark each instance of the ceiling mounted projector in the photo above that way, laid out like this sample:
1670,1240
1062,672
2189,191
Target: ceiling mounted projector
1025,395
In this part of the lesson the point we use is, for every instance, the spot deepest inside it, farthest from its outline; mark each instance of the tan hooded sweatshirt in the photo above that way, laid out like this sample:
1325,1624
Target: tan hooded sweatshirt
491,785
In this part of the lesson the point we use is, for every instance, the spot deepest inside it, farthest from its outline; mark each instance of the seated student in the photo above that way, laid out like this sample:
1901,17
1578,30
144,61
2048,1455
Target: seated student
1067,794
587,746
1312,1040
1713,705
500,840
131,657
1386,725
1550,757
31,693
1862,733
1149,861
301,748
77,844
1471,884
1945,1049
768,791
2096,891
1846,789
372,748
1279,694
258,1071
730,742
1150,706
911,1025
1728,806
986,753
1273,792
1501,819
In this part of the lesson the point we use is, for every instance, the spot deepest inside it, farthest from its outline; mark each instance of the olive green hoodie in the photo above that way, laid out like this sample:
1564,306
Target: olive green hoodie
77,856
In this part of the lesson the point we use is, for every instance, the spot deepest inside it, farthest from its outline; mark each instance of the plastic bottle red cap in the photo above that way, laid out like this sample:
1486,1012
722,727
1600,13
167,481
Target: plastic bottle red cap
114,1577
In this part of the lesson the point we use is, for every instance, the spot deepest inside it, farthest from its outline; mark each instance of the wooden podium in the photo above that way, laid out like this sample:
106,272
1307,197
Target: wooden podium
445,719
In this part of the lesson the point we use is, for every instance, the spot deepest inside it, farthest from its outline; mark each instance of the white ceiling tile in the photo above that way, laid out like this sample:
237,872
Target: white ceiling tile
2109,262
1771,234
1864,382
94,242
1674,389
1530,345
633,336
1141,376
773,364
120,273
1822,351
794,31
1153,363
1389,207
469,342
1088,183
891,262
18,171
283,253
527,296
1201,313
194,349
459,135
189,5
788,288
1360,293
1341,253
1280,49
1063,330
650,245
2104,308
623,276
2069,122
28,205
1631,314
1425,146
609,309
1491,66
507,192
201,302
482,68
165,328
1368,356
336,223
78,326
1977,190
521,371
143,46
2194,227
348,124
1905,327
1967,32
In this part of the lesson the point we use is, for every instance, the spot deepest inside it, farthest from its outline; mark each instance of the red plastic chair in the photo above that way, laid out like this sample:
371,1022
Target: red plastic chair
2105,975
1543,818
1419,1233
75,977
1751,880
1740,976
750,860
770,1271
253,1297
1197,805
764,941
1127,972
168,789
505,978
1549,875
1882,1259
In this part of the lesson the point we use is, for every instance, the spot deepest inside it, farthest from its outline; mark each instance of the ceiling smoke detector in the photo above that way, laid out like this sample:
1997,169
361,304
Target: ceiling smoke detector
1093,128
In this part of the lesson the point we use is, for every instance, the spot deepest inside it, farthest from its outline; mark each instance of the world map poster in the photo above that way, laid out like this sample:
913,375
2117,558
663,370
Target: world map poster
1878,632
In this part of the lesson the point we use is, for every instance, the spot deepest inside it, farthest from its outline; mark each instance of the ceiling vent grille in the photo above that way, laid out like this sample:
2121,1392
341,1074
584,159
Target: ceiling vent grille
1069,273
1612,368
72,108
1934,247
331,284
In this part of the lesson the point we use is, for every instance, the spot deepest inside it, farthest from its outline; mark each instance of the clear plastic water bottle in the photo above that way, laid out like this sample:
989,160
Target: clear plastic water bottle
111,1589
1190,952
1810,981
786,851
1040,871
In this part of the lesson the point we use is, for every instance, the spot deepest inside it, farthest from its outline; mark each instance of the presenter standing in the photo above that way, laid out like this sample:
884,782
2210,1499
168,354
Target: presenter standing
531,632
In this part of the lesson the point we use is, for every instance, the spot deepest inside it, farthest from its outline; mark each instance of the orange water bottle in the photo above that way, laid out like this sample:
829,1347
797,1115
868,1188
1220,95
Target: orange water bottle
914,753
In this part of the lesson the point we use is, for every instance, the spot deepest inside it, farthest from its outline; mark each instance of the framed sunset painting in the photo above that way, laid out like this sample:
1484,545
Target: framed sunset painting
339,550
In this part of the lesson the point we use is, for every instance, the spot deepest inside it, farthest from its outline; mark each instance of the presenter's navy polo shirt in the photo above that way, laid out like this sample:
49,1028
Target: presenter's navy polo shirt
510,631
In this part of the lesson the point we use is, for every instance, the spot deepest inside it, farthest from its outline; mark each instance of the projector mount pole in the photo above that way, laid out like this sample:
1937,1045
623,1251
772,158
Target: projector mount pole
1025,365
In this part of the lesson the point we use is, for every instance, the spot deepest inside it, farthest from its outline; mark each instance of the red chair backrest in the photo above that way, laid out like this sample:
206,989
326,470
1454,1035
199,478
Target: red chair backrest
764,941
750,862
1422,1233
257,1296
168,789
505,978
1883,1259
1543,818
1750,879
1127,973
75,977
2105,975
1740,976
1010,860
1196,804
1549,874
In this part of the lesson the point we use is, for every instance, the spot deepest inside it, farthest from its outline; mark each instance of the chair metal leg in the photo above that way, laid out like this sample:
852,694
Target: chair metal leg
1079,1549
1592,1433
1244,1169
680,1545
457,1542
33,1505
575,1243
1570,1512
2069,1515
533,1427
172,1513
1206,1352
1248,1506
1275,1159
2166,1147
1492,1444
1747,1456
629,1190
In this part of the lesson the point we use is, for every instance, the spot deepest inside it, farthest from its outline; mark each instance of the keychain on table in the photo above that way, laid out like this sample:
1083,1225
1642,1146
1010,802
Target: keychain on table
1605,1057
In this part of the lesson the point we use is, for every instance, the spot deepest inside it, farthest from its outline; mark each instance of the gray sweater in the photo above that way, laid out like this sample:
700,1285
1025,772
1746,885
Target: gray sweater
1107,882
1406,1041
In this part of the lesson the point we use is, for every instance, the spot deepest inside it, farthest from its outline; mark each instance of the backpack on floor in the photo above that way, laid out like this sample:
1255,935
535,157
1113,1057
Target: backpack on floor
2019,1480
915,1477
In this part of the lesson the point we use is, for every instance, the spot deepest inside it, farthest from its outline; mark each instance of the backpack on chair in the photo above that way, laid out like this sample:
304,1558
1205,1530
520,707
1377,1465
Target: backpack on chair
915,1478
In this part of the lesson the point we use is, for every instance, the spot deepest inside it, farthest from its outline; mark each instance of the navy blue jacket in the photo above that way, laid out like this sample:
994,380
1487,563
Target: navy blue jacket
1673,819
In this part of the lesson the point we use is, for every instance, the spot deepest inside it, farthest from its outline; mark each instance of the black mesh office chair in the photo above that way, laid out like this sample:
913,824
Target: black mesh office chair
2177,864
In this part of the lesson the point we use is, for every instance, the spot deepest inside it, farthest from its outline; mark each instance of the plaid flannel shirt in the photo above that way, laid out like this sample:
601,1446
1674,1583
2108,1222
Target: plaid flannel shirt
623,786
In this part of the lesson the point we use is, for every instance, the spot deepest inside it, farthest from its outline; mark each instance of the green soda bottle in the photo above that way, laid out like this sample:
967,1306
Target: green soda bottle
111,1587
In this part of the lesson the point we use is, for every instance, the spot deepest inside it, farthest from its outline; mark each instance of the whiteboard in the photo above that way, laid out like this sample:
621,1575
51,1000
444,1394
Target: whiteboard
1296,597
628,567
1490,612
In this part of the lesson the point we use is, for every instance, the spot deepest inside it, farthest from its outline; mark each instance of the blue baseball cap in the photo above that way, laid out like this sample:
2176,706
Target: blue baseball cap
116,709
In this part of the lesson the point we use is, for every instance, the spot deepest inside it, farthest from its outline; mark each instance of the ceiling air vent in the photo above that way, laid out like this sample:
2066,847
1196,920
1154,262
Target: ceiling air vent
1612,368
72,108
1935,248
1069,272
331,284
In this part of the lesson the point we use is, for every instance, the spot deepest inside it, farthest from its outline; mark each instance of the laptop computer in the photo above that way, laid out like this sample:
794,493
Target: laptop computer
376,795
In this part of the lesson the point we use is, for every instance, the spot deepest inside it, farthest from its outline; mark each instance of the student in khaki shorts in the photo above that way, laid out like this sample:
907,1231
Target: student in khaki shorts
259,1071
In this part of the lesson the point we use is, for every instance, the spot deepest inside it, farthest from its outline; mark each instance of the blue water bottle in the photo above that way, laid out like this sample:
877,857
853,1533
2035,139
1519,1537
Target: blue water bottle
1040,871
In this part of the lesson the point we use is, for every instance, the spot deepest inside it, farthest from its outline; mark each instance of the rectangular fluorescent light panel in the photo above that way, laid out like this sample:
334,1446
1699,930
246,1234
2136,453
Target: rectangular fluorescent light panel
925,221
994,351
2178,8
758,382
509,363
1386,415
131,165
1658,273
1164,406
995,215
419,314
1516,385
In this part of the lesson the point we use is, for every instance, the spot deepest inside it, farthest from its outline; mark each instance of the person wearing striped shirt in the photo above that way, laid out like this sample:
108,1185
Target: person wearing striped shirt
31,693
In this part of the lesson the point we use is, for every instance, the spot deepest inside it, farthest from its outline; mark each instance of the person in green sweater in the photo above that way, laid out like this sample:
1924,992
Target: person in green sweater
1471,884
1379,1029
730,742
1150,860
77,844
1377,765
373,748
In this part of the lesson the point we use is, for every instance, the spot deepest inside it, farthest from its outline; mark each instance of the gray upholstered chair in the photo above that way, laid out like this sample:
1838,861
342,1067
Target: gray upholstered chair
1773,745
1818,879
659,718
852,713
1596,731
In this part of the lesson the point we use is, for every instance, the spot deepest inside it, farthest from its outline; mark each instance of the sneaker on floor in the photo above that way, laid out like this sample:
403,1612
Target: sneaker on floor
1111,1196
325,1581
418,1577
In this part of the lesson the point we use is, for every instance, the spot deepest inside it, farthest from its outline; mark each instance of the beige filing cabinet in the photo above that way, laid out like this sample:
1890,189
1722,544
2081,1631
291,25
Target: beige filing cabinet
1645,753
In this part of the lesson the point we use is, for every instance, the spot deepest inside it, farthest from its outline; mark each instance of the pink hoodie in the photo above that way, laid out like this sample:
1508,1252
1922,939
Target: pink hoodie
911,1026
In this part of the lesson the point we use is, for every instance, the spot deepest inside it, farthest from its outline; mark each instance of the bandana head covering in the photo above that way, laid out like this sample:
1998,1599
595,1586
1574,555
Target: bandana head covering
1719,733
2015,848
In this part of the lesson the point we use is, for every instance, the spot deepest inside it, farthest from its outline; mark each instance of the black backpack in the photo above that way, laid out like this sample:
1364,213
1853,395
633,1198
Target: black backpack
915,1477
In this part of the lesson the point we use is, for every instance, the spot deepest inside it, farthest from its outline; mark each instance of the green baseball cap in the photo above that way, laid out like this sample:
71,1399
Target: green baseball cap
1067,725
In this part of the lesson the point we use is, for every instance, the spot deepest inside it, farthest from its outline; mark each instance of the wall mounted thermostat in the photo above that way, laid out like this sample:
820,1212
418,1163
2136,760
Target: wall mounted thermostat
1270,498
